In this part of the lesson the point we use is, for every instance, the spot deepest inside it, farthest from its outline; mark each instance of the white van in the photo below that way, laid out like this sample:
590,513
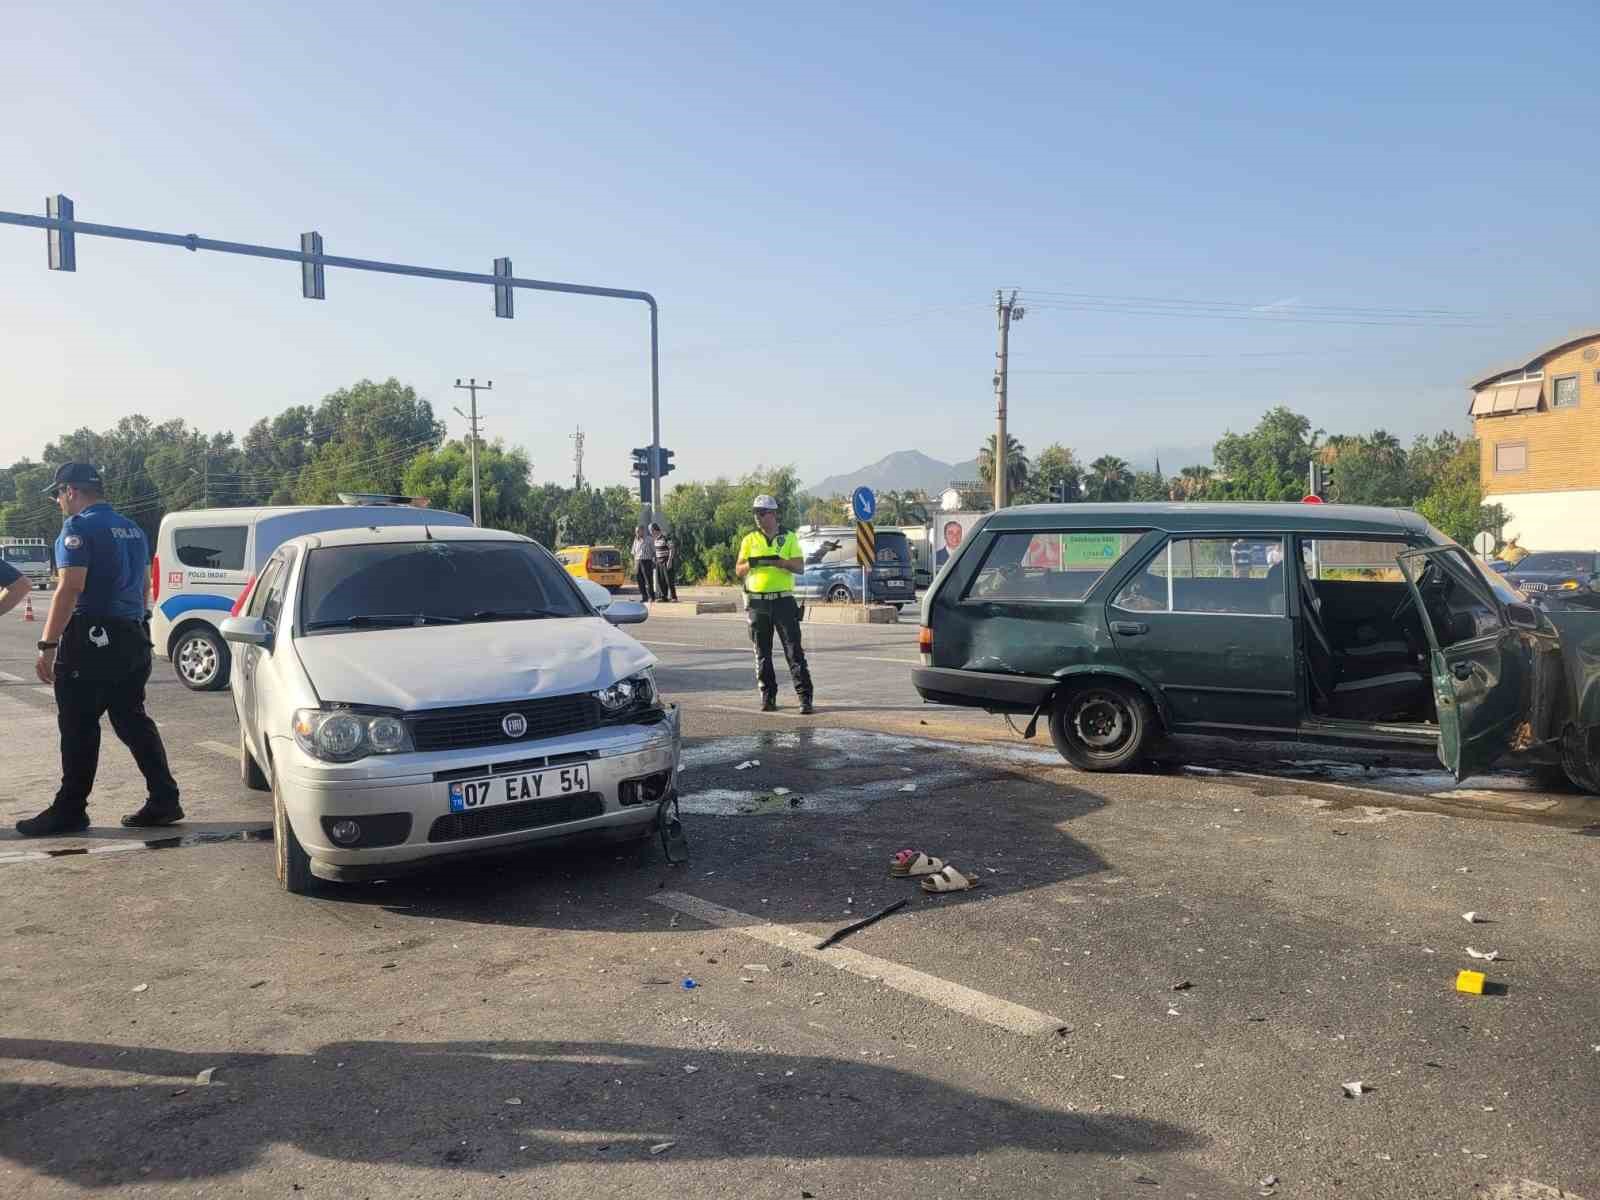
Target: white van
205,559
30,555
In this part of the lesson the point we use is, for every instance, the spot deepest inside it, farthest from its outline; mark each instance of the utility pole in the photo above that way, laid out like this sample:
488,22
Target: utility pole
473,386
1006,311
577,459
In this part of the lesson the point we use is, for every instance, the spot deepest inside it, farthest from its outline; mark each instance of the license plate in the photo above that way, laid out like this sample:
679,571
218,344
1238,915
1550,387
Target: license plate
895,583
471,794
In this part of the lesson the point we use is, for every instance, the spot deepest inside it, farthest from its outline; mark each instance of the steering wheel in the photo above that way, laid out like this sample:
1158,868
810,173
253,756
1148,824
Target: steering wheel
1431,578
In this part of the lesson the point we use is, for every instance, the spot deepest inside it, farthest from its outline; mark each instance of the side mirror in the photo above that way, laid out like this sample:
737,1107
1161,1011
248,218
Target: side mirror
1522,616
247,631
625,612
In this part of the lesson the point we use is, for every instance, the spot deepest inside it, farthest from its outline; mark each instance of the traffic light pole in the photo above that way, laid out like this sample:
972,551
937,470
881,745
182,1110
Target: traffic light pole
62,231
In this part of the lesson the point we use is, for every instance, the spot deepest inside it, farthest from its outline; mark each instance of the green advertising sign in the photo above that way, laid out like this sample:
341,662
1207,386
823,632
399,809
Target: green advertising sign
1090,549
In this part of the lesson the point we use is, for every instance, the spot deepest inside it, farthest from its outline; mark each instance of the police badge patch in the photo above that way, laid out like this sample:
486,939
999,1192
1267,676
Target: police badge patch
72,541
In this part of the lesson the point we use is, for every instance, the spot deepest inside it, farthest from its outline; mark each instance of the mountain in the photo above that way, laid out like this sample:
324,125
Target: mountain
902,471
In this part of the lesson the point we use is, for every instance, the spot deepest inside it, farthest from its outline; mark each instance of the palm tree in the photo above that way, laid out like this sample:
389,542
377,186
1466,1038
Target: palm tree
1192,482
1016,464
1108,478
902,508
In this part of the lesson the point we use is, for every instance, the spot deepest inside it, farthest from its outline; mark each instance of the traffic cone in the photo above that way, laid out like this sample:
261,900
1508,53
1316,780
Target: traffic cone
27,610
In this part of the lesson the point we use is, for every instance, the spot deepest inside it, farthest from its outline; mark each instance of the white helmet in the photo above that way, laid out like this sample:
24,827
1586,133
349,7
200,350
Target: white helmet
764,503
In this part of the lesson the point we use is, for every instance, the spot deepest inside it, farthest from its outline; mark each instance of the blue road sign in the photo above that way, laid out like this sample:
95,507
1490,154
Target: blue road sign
863,503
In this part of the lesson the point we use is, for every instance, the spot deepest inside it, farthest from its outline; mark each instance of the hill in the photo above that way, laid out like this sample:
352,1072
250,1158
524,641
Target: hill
904,470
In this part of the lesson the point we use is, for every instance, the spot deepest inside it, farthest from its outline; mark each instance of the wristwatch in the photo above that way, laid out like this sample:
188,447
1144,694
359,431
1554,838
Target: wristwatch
46,645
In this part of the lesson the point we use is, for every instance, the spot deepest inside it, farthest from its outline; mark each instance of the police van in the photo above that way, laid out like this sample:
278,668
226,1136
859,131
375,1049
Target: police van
206,559
30,555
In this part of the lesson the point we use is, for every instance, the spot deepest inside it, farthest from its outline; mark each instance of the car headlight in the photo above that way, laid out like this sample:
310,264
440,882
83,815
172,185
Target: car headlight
635,691
344,735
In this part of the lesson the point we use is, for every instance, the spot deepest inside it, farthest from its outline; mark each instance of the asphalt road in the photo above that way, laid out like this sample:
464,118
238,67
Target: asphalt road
1159,990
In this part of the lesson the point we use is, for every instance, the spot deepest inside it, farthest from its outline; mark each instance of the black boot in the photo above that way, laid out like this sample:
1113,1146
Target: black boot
153,814
53,821
806,707
769,704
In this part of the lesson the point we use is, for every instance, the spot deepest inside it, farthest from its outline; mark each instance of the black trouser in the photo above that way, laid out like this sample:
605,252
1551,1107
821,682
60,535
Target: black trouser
80,702
646,576
667,585
779,614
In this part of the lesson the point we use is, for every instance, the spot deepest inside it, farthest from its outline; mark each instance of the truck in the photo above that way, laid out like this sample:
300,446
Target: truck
30,555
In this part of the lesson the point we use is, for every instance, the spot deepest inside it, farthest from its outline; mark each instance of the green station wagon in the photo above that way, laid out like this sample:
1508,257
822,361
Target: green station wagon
1330,623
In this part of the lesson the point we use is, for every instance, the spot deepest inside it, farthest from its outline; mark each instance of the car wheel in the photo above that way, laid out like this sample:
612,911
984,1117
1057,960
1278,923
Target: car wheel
1102,726
201,659
250,772
839,594
293,863
1578,751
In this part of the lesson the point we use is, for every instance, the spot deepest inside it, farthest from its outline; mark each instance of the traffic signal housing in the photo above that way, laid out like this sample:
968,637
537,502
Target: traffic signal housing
664,465
641,471
1058,492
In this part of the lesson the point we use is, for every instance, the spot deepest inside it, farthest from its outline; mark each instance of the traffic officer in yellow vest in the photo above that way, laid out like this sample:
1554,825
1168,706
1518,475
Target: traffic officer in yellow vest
768,560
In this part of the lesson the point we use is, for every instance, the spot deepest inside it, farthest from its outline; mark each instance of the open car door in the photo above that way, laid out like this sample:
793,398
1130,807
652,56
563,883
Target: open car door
1477,660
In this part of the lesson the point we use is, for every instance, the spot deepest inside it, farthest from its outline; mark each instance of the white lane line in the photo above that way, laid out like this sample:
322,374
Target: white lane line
907,662
684,645
953,996
10,678
221,748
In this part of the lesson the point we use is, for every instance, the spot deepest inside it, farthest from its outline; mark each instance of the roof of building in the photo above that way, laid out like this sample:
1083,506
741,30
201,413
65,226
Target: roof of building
1570,340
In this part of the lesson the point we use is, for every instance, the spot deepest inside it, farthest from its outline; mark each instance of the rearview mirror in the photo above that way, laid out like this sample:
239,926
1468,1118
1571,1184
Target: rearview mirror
247,631
1522,616
626,612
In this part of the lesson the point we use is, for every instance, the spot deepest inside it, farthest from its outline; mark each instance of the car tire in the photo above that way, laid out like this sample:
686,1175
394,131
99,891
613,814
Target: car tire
201,659
250,772
1102,725
1578,750
292,863
839,594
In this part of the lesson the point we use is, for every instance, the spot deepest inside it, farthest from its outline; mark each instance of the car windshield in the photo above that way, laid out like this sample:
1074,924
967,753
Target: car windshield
25,553
437,582
1572,564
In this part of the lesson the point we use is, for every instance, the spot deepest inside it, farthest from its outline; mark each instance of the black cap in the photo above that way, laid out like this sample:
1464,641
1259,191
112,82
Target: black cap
75,475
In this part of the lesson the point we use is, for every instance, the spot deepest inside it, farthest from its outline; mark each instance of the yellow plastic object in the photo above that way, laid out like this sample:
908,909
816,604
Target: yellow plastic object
1470,982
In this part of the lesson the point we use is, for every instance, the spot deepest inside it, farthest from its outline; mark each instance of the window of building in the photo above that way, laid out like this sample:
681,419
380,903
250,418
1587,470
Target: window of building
1564,392
1049,566
219,547
1510,457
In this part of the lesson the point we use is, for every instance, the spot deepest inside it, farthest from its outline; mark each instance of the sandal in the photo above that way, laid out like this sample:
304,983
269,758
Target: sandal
949,880
911,863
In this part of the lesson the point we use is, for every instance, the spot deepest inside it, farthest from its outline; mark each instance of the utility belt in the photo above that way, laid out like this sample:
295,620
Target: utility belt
103,648
768,595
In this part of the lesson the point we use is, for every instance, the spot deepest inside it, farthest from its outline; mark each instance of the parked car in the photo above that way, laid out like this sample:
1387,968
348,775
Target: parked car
833,574
603,564
206,559
1559,578
1365,626
410,694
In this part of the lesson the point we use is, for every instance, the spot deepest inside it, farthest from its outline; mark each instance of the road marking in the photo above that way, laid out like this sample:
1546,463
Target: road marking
221,748
908,662
684,645
172,841
10,678
953,996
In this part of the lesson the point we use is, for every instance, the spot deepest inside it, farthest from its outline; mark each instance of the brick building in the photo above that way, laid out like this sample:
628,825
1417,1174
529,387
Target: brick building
1538,430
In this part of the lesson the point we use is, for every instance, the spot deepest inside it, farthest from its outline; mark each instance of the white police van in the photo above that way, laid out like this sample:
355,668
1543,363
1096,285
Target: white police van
206,559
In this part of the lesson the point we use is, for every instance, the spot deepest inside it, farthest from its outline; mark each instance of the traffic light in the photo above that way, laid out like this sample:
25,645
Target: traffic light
664,465
1058,492
1319,479
641,471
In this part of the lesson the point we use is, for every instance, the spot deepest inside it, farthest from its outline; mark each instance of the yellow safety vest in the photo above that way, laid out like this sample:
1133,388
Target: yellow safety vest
761,580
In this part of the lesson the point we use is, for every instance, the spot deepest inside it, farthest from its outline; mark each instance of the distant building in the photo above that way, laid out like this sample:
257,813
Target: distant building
1538,430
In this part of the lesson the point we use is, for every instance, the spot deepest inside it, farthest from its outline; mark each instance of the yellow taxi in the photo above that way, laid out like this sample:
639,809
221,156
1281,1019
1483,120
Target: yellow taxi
602,564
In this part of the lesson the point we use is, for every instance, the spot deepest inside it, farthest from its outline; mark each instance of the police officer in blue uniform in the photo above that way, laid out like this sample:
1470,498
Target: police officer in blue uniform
96,651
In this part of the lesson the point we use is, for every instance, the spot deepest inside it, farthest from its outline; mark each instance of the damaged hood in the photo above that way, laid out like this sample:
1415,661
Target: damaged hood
449,666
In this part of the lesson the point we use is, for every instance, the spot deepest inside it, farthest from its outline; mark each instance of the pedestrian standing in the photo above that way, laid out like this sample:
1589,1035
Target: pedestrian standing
14,586
96,652
666,562
644,563
768,560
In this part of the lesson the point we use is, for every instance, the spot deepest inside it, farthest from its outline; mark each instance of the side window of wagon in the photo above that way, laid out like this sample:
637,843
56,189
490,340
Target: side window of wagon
1238,575
1049,566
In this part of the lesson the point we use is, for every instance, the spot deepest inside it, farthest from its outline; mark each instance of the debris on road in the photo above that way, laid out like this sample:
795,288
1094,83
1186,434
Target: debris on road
689,984
1183,985
1268,1181
1486,955
1470,982
513,1100
762,968
1472,918
689,1069
143,987
258,983
1356,1087
838,935
662,1147
780,791
204,1078
747,764
908,787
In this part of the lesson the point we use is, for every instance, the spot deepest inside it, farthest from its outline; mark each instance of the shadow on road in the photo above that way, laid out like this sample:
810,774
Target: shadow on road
444,1105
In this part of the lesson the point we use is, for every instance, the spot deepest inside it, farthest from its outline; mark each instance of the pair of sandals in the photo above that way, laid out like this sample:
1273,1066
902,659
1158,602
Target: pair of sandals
936,876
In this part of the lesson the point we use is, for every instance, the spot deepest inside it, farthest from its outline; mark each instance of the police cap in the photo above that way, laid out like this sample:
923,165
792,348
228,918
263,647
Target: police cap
76,474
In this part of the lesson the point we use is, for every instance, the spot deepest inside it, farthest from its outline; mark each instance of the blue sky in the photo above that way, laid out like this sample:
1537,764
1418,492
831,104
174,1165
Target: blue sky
1372,203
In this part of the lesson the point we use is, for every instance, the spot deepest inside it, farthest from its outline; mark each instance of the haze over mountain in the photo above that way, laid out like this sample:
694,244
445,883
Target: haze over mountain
912,470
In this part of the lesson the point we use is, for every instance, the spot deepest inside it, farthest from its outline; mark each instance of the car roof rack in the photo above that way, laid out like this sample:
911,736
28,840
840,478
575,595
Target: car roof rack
359,498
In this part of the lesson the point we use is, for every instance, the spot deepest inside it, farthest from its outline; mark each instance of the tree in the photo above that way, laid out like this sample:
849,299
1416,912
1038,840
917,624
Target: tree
899,508
1109,478
1192,483
1369,469
1454,500
444,476
1151,486
1016,465
835,510
365,437
1269,462
1056,464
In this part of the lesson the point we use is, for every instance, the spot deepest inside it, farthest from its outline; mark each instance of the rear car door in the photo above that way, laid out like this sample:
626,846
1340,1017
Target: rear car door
1478,663
1205,618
